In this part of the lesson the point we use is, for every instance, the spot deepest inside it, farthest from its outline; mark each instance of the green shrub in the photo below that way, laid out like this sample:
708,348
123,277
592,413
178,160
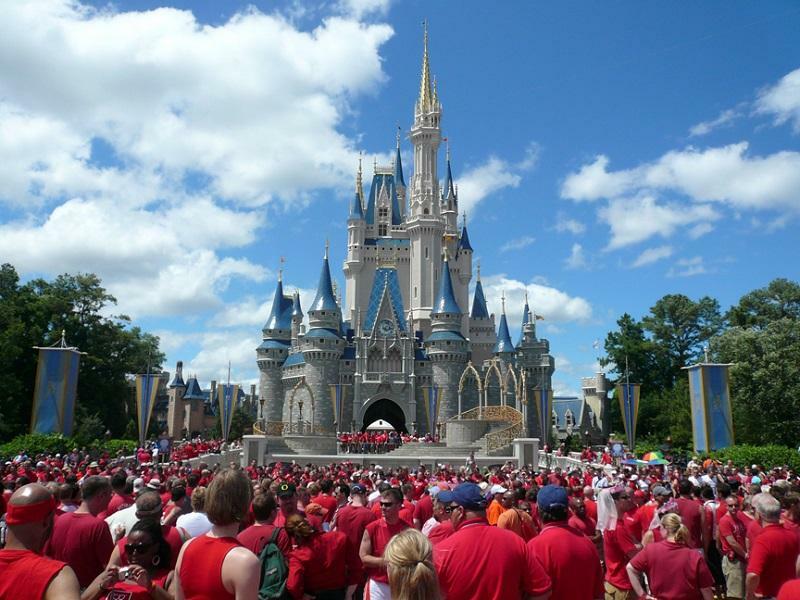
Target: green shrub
128,447
37,443
768,456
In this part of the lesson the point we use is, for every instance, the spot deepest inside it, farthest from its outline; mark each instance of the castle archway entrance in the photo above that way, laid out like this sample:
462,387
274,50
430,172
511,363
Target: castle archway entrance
386,410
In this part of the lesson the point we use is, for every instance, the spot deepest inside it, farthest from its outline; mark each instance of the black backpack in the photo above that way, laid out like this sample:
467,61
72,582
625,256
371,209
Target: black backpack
274,571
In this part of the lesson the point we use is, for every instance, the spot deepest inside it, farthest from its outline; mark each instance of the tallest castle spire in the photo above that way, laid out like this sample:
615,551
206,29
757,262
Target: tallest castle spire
425,93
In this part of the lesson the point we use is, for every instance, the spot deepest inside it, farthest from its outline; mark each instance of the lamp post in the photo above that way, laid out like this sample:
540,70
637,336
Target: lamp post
300,417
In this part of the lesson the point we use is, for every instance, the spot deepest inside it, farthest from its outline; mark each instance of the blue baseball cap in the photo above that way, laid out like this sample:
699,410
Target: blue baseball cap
552,495
465,494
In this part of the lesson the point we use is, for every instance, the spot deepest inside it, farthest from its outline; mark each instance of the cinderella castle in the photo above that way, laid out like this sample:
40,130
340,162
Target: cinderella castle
408,345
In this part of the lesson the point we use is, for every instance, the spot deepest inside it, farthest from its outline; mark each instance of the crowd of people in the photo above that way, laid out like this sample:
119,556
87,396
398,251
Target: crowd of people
377,442
117,529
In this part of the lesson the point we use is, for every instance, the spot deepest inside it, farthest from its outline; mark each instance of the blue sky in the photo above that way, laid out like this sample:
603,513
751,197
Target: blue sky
607,154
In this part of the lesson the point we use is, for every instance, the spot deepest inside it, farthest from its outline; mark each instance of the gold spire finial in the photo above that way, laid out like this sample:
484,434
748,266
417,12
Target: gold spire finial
280,268
447,143
503,300
425,96
327,247
374,165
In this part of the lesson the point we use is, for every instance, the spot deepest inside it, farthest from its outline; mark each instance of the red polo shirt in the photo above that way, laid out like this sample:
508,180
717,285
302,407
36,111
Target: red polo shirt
380,532
440,532
690,512
352,521
733,526
617,545
423,509
681,572
326,561
479,561
773,557
570,560
790,590
83,542
255,537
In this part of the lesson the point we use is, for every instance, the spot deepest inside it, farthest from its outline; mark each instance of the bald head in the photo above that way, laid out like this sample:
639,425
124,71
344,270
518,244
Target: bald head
31,525
148,504
31,493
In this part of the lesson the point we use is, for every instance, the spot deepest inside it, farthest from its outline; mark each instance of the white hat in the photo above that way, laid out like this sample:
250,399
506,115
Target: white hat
483,485
373,496
154,484
138,484
498,489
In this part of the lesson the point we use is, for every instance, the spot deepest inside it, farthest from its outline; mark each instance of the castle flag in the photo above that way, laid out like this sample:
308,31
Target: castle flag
337,399
709,392
55,390
146,392
432,396
628,394
227,394
544,408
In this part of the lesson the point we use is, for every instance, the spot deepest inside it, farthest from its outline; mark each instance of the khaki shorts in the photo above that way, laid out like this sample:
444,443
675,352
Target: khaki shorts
733,570
614,593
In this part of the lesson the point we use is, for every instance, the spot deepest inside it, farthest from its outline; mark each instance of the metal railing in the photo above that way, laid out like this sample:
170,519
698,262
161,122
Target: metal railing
275,428
491,413
502,438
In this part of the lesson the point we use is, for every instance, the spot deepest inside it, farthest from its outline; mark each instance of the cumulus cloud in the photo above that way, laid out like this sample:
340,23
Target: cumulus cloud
358,9
688,267
518,243
252,312
652,255
555,305
782,100
565,224
576,258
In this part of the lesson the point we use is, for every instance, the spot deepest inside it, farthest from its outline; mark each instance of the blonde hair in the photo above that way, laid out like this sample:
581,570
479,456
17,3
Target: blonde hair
228,497
675,528
409,562
297,527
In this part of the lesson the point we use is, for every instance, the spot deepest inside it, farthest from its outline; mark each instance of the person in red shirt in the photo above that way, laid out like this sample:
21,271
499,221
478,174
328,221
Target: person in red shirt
692,515
121,498
24,572
790,590
323,565
326,500
568,557
674,570
589,502
79,538
732,538
423,509
583,522
480,561
774,553
376,535
256,536
287,503
645,514
618,545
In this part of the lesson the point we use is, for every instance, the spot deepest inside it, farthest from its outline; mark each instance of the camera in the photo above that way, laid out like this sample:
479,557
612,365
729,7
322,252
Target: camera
123,573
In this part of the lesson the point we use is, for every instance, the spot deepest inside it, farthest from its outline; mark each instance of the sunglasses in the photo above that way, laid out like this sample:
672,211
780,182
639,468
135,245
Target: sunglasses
450,508
140,547
388,504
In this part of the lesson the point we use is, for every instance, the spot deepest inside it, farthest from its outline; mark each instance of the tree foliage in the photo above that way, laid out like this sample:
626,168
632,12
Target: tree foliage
35,314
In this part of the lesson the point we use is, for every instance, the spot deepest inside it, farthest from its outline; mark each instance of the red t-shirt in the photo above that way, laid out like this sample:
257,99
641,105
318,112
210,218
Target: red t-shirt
585,525
773,558
733,526
201,568
681,572
644,517
26,574
127,590
327,502
790,590
753,531
352,521
380,532
327,561
591,509
423,510
118,502
440,532
479,561
255,537
617,545
83,542
570,560
690,512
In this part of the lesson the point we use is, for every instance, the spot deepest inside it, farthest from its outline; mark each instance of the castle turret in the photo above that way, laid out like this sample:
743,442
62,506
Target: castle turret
446,348
504,348
482,334
399,178
526,318
277,336
176,407
463,264
449,199
533,357
297,317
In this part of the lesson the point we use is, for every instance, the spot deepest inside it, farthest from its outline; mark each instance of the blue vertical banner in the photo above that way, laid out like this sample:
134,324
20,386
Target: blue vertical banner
432,396
712,419
146,393
337,400
55,390
544,408
628,394
227,394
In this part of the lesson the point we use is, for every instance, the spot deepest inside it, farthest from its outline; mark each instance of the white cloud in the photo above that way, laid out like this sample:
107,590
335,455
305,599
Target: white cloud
688,267
652,255
725,174
252,312
782,100
634,220
700,230
564,224
554,305
726,117
217,348
358,9
576,258
518,243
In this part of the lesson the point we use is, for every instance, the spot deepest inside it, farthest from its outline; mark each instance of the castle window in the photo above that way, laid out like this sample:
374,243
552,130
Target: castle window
569,419
383,212
382,230
426,253
425,212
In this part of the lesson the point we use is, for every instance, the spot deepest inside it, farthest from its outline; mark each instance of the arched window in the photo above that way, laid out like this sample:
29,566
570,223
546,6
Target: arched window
569,419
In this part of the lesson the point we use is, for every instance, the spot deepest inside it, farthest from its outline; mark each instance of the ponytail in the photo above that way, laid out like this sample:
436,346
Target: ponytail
675,528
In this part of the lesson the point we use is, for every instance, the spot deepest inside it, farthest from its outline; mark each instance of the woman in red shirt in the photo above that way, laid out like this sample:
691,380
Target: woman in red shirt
323,565
674,570
215,565
148,576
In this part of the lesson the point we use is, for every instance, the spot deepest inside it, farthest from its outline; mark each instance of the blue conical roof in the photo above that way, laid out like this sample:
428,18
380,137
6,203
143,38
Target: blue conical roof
446,300
449,188
356,210
479,308
526,317
296,310
463,242
324,300
504,343
281,315
193,391
398,168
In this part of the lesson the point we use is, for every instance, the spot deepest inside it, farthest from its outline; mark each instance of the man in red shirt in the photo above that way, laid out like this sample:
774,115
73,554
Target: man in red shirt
583,522
774,553
618,545
326,500
79,538
287,503
255,537
692,515
479,561
732,534
589,502
568,557
376,536
423,509
120,499
645,514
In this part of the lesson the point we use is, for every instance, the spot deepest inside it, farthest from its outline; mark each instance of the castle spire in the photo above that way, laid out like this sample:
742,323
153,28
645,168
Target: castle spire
324,300
425,93
479,308
446,300
504,343
357,208
398,164
526,318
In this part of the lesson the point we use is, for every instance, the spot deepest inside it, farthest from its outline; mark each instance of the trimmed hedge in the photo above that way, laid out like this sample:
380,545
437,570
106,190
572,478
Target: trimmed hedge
38,443
766,456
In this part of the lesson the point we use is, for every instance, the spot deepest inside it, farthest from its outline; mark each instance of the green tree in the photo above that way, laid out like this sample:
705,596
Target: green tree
779,300
36,313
